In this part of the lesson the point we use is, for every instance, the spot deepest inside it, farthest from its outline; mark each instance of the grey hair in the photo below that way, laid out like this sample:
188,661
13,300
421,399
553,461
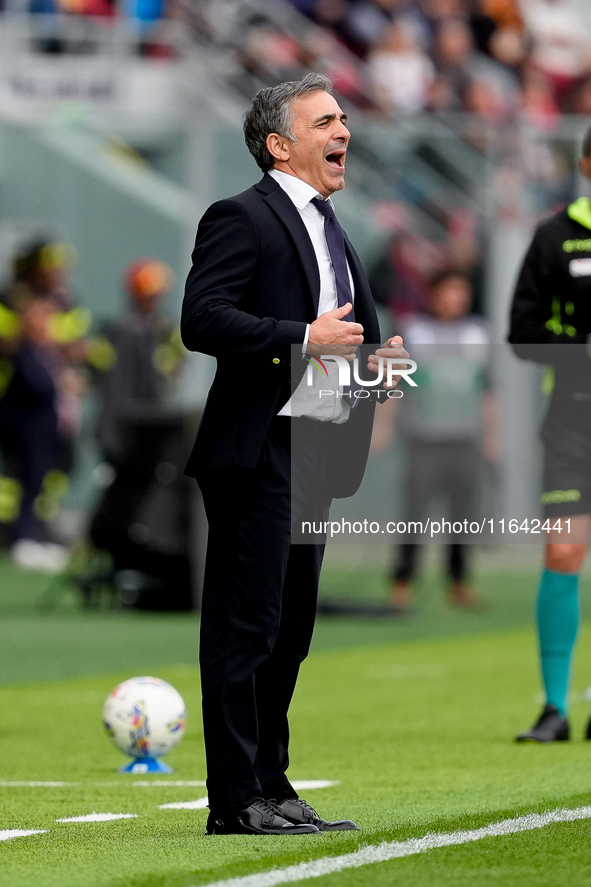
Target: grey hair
271,111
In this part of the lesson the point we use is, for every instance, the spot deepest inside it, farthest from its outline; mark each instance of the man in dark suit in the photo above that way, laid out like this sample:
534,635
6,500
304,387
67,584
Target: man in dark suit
263,280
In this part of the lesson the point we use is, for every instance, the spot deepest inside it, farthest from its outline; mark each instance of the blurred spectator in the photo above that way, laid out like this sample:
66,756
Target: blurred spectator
449,423
267,56
438,11
400,70
321,51
464,252
482,26
73,7
538,105
507,46
504,13
459,65
400,278
453,48
326,13
481,99
365,23
306,7
495,21
145,11
561,50
147,18
578,101
52,37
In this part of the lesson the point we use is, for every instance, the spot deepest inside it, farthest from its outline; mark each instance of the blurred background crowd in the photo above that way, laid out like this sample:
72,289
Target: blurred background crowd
498,59
120,121
494,58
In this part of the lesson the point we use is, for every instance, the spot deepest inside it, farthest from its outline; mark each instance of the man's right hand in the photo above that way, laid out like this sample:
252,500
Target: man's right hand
329,334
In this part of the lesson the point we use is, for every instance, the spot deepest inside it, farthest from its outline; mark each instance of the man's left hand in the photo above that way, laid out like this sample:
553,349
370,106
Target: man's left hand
392,349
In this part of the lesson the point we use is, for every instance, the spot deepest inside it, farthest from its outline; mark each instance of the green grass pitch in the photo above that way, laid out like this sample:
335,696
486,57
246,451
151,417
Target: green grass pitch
412,720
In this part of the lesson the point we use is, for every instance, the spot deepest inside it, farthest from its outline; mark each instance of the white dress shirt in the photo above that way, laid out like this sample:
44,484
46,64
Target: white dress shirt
306,399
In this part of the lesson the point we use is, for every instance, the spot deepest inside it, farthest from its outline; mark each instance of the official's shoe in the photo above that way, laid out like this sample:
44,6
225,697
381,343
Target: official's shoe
551,726
297,811
259,818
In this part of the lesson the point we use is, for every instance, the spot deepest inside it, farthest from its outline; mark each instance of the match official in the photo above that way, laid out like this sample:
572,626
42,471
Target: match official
552,307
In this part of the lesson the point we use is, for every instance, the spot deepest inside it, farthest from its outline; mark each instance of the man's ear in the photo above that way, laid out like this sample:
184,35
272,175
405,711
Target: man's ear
278,146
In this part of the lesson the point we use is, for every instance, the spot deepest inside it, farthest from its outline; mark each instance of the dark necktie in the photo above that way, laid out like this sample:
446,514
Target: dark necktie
335,240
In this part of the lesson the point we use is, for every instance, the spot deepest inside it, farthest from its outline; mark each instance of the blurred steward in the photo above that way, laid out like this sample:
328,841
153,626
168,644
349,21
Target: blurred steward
141,351
42,269
140,519
31,435
40,326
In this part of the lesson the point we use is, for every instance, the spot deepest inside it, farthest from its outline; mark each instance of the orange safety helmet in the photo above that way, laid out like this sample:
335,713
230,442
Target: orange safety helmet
146,278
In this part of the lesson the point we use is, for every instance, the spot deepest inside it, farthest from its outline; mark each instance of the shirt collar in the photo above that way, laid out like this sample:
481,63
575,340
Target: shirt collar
300,192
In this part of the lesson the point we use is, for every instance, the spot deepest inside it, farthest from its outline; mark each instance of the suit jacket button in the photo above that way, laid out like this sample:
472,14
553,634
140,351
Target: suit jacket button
276,360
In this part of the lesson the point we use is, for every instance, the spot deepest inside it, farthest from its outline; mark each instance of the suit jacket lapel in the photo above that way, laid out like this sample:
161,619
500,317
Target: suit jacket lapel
364,304
286,212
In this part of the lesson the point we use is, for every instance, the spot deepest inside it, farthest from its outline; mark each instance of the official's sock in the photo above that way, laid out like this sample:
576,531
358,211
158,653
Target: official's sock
558,622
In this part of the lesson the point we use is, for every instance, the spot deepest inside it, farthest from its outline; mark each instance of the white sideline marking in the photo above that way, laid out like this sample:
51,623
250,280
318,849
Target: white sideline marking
98,817
7,834
195,783
22,784
396,849
309,784
199,804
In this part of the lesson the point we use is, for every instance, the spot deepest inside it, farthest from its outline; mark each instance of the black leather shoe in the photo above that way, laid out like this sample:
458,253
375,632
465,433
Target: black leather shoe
551,726
297,811
259,818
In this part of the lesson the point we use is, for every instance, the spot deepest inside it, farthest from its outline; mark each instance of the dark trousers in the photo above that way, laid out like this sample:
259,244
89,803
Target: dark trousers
407,556
450,472
35,453
258,611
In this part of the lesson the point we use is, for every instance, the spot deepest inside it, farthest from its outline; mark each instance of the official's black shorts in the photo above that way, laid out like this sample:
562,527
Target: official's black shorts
567,466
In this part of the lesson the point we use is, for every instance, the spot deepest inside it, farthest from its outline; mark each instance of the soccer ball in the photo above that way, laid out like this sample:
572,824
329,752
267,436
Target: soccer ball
145,717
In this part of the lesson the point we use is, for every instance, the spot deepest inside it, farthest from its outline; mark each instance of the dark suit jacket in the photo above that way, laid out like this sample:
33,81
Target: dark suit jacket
253,287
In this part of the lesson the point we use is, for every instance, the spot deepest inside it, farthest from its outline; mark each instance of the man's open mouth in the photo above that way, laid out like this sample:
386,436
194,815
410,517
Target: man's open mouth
336,160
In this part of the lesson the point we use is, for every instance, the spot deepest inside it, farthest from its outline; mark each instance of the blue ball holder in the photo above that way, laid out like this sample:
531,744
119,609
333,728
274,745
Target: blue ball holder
139,766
